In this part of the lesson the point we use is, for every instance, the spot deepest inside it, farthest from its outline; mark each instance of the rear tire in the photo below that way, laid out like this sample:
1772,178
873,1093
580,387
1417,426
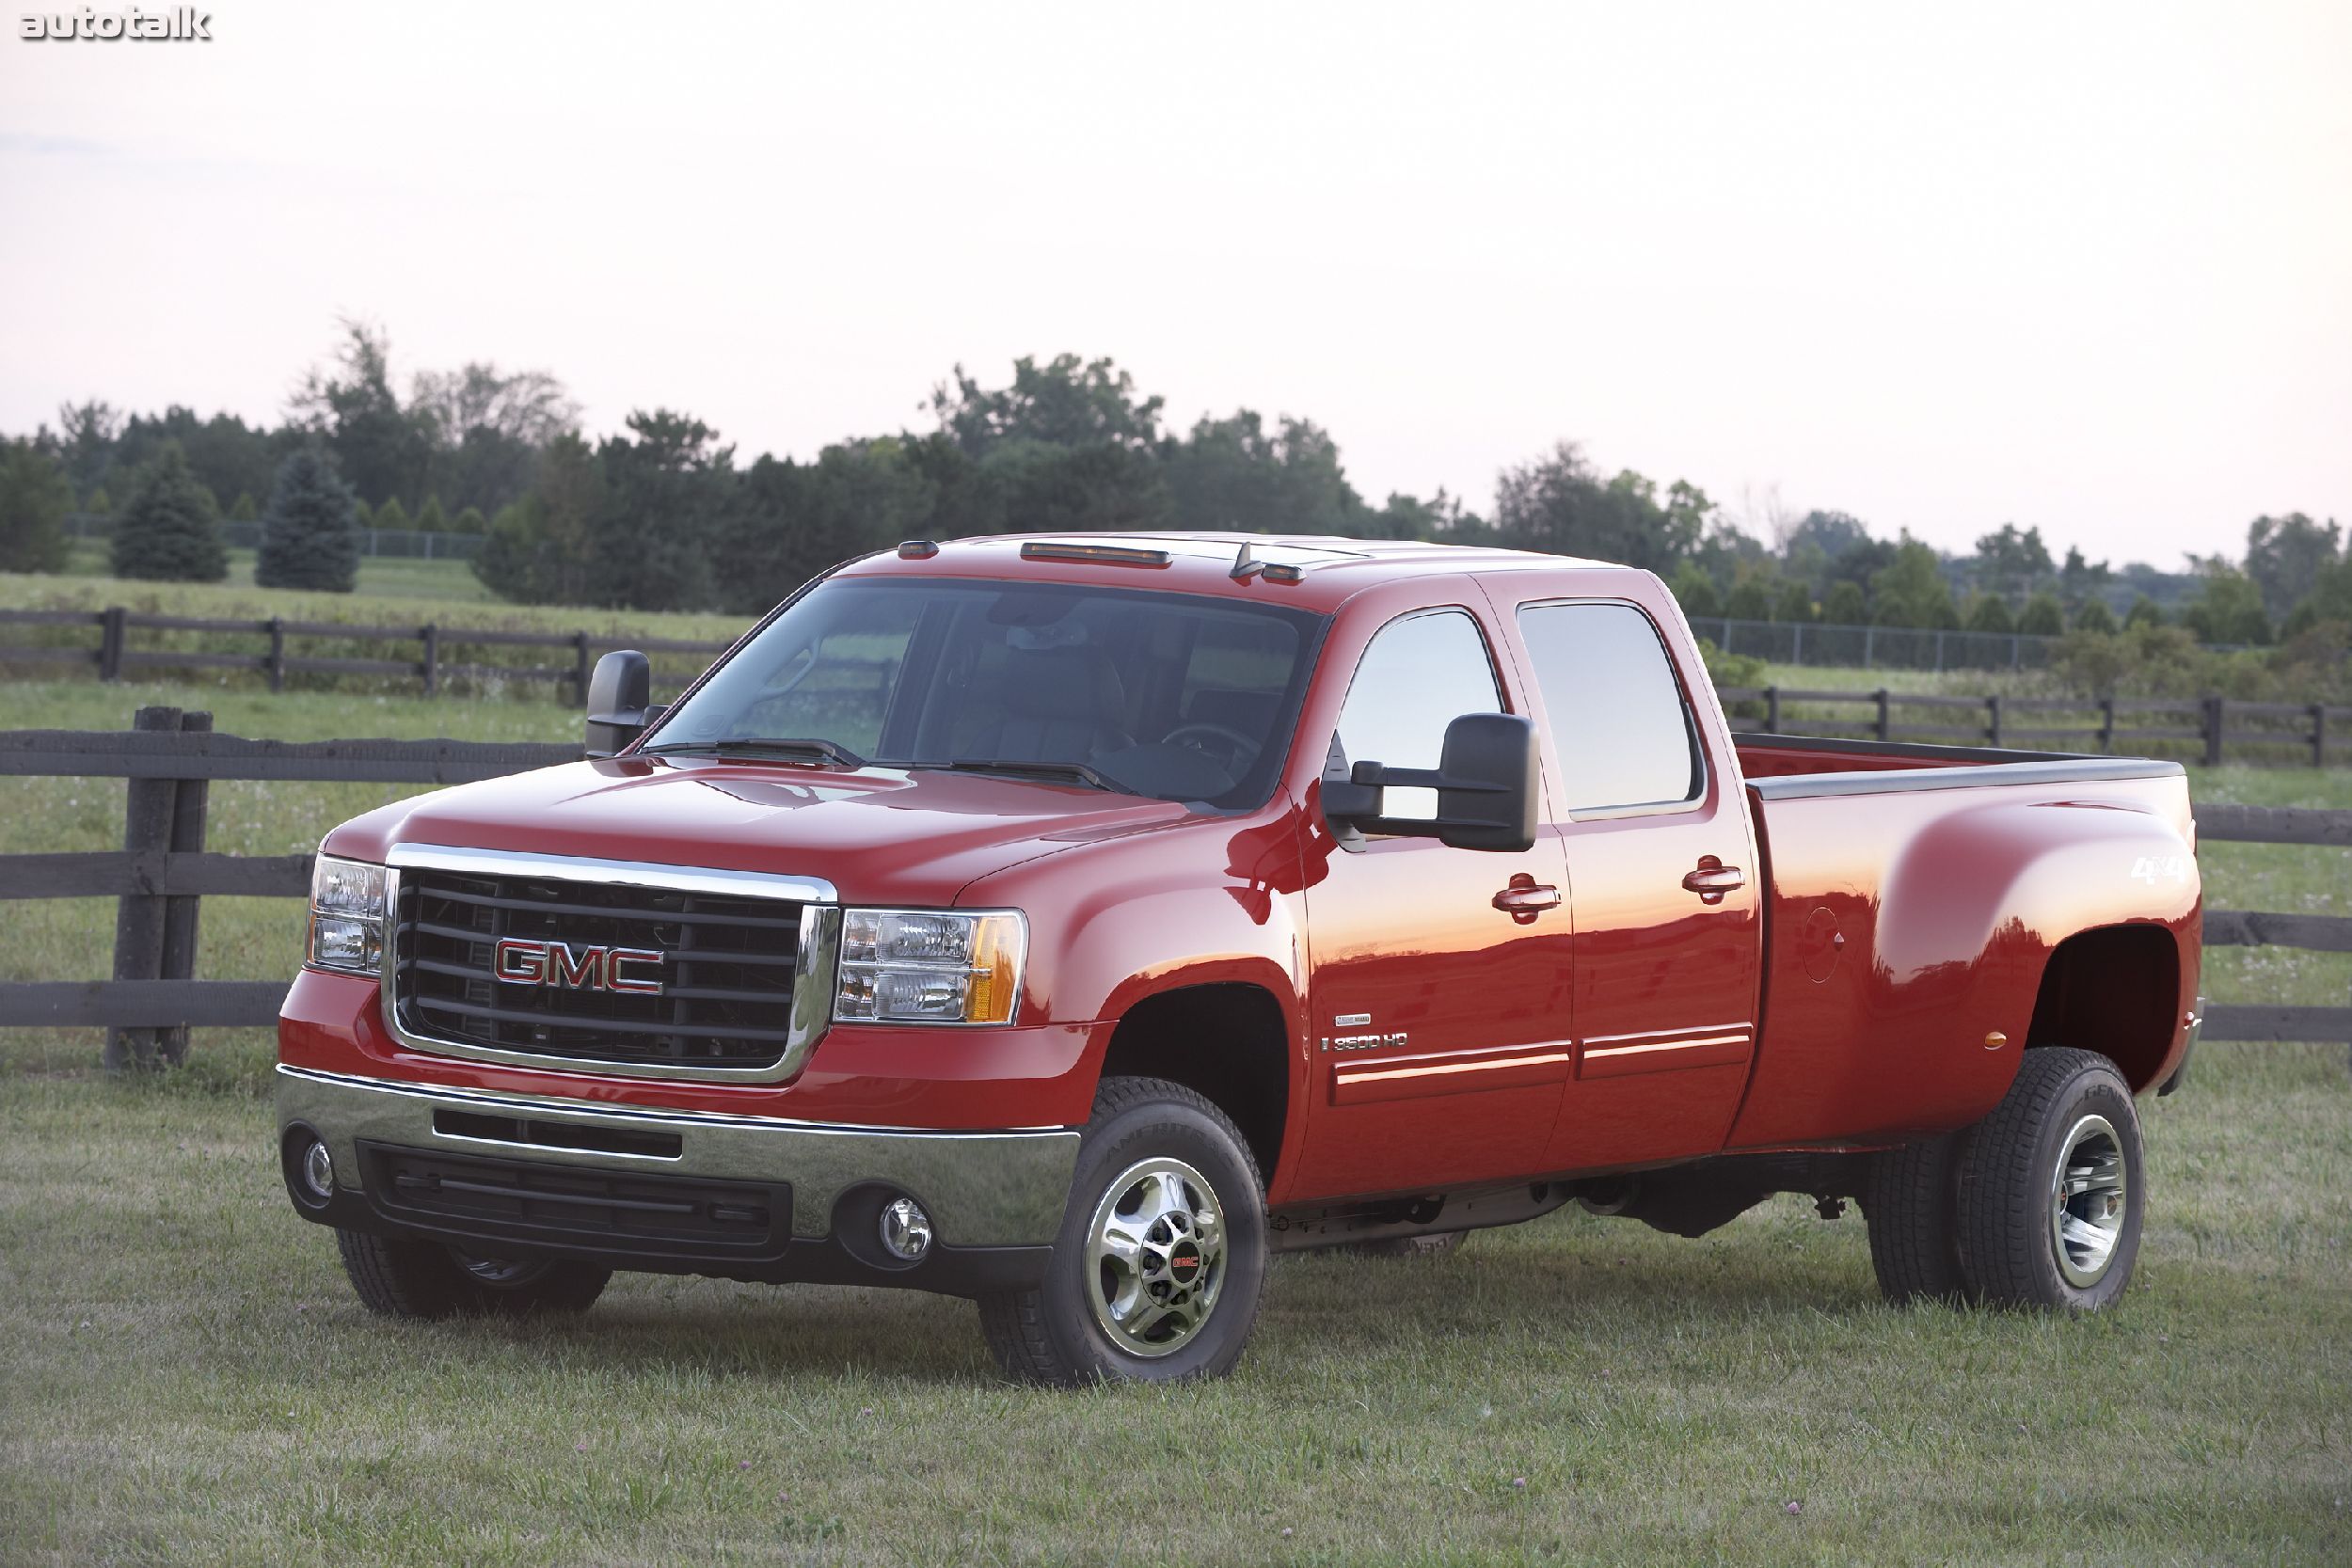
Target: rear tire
2052,1186
1911,1202
1161,1254
401,1276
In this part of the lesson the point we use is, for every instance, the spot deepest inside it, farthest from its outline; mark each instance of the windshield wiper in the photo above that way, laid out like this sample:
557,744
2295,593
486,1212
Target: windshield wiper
823,750
1077,772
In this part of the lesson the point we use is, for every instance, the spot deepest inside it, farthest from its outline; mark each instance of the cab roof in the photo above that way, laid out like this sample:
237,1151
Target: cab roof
1316,572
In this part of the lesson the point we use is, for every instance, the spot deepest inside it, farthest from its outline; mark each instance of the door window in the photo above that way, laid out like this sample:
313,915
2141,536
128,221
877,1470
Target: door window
1419,675
1618,720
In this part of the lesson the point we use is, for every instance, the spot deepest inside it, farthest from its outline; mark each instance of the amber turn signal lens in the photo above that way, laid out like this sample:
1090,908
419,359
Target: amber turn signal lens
996,970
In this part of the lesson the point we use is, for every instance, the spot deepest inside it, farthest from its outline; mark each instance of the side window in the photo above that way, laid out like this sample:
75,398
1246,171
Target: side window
1418,675
1618,721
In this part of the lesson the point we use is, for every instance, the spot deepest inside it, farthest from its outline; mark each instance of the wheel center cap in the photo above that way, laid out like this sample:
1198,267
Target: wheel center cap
1184,1263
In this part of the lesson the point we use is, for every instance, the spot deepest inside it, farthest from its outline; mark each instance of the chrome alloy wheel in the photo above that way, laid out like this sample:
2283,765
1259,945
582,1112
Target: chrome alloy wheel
1155,1256
2088,1192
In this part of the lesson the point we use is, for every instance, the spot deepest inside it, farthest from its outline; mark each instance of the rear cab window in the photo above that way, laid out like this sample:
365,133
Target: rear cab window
1621,727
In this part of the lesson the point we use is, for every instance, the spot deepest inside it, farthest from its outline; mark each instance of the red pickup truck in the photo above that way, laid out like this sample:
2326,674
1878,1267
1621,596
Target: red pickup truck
1070,923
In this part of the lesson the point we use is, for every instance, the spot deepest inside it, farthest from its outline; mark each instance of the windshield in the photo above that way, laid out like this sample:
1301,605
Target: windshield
1173,695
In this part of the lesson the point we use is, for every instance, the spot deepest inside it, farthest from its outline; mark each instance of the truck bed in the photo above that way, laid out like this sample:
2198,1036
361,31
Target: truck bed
1915,897
1786,766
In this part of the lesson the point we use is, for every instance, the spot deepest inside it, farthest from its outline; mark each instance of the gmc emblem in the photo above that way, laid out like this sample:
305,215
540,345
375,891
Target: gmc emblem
522,962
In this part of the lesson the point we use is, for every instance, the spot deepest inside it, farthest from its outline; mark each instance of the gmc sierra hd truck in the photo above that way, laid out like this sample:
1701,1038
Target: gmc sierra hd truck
1070,923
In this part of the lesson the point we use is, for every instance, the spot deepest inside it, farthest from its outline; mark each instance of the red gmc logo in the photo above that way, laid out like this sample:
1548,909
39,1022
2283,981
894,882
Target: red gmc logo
521,962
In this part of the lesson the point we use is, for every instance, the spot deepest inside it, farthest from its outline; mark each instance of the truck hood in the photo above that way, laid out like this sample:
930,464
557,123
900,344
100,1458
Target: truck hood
880,835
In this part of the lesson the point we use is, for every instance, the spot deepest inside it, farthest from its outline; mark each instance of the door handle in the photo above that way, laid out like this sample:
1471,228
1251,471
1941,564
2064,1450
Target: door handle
1712,879
1524,900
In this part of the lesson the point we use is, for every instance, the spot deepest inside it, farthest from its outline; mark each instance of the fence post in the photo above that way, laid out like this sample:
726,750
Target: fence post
432,660
1939,649
2319,735
189,800
110,630
1883,729
1796,644
147,823
1771,709
2106,723
1993,718
1868,635
2215,710
2016,651
580,669
276,654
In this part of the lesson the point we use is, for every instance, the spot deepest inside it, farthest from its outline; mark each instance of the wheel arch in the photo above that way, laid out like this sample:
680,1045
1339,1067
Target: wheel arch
2113,990
1229,1040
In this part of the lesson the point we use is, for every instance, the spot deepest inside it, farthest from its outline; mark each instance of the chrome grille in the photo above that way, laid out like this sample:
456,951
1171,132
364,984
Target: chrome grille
731,1004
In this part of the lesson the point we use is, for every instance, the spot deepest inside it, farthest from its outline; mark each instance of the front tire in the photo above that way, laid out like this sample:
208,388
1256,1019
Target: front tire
2052,1187
1156,1273
401,1276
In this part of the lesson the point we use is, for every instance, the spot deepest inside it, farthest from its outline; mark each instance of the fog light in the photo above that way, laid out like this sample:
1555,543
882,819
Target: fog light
318,1170
906,1231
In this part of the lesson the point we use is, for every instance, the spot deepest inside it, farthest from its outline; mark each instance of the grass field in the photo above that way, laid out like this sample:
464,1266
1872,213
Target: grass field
184,1375
393,577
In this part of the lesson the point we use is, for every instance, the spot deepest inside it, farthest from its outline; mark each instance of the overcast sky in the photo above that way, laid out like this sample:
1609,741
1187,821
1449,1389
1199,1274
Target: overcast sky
2086,268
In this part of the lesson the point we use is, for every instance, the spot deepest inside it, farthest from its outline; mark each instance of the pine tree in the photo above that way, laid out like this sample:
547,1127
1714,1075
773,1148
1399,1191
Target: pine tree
1695,592
432,519
99,505
1795,604
241,510
393,516
35,497
310,538
2044,616
169,530
2094,616
1845,605
1989,613
1748,602
471,521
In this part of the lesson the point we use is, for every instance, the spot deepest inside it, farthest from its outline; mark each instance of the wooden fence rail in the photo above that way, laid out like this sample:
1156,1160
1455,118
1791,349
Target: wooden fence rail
162,870
112,656
2314,734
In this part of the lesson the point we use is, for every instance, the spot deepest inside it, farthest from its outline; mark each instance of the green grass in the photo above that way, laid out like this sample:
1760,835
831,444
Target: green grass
380,576
185,1377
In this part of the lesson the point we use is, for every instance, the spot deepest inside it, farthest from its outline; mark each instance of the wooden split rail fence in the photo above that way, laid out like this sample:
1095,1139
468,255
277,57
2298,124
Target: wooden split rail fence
162,870
274,649
2204,728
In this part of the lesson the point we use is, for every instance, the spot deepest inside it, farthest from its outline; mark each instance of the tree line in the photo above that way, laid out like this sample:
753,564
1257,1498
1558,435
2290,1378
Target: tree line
663,516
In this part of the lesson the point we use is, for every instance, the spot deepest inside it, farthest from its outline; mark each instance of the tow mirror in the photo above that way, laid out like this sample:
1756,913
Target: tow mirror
619,702
1486,781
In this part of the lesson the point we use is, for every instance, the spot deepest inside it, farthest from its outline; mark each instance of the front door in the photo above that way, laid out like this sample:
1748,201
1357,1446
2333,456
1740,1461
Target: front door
1440,1018
1666,892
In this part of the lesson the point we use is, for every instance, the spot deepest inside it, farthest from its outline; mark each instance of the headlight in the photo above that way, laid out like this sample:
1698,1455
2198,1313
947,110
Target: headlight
922,966
346,915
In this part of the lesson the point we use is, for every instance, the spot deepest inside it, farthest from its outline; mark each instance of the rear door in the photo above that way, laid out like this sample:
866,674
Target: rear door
1663,883
1440,1017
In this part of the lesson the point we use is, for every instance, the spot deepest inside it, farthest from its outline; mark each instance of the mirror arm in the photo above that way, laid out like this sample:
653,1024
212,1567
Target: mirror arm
1378,776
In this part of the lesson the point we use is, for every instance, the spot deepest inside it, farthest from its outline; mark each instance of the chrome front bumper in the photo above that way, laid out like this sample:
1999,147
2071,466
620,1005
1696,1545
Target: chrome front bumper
986,1189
